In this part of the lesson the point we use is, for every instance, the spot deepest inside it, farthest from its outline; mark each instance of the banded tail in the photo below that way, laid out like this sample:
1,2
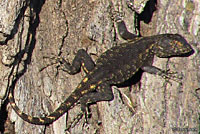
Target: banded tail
49,119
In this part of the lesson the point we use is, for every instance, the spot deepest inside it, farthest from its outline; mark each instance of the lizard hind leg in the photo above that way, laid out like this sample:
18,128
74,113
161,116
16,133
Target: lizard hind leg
103,93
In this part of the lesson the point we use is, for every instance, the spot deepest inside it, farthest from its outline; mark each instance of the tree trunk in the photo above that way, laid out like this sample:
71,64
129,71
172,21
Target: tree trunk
33,30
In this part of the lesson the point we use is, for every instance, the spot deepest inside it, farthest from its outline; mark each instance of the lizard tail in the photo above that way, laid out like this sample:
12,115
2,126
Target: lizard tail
64,107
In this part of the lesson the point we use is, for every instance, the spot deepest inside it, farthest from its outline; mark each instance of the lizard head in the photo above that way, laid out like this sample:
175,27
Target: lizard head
171,45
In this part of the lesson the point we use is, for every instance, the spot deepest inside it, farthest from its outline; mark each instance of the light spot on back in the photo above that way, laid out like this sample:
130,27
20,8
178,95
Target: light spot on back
128,66
10,96
68,104
117,50
74,96
85,79
41,120
85,69
30,118
178,43
140,56
147,50
19,112
92,86
13,104
151,47
84,92
60,111
100,82
51,117
111,55
79,86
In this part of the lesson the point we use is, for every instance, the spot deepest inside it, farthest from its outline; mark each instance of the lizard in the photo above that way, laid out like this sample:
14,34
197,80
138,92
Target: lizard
113,67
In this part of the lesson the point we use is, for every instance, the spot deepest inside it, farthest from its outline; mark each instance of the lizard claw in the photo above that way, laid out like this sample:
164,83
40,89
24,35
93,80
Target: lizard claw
85,109
171,75
55,60
74,122
117,16
50,64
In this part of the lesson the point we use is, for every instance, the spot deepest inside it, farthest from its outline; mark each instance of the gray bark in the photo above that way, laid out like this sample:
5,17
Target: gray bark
45,28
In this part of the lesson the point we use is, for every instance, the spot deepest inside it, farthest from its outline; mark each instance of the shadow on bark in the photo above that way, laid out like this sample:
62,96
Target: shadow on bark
147,14
16,25
35,7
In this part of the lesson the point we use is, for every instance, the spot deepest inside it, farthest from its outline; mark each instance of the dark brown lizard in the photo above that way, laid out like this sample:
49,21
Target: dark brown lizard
113,67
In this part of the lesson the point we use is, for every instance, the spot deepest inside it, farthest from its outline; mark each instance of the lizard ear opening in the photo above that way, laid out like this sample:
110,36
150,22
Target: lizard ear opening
171,45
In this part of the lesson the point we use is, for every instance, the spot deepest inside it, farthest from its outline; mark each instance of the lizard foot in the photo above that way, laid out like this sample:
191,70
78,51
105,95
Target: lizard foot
74,122
171,75
55,60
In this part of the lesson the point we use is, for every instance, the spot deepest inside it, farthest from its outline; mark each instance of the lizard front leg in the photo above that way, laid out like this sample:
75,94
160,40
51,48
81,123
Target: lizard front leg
82,58
165,74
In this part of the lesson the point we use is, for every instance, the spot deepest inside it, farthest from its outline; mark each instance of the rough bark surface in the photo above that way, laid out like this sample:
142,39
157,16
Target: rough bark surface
32,30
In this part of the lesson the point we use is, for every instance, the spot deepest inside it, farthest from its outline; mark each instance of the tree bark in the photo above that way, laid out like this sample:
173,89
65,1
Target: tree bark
32,30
